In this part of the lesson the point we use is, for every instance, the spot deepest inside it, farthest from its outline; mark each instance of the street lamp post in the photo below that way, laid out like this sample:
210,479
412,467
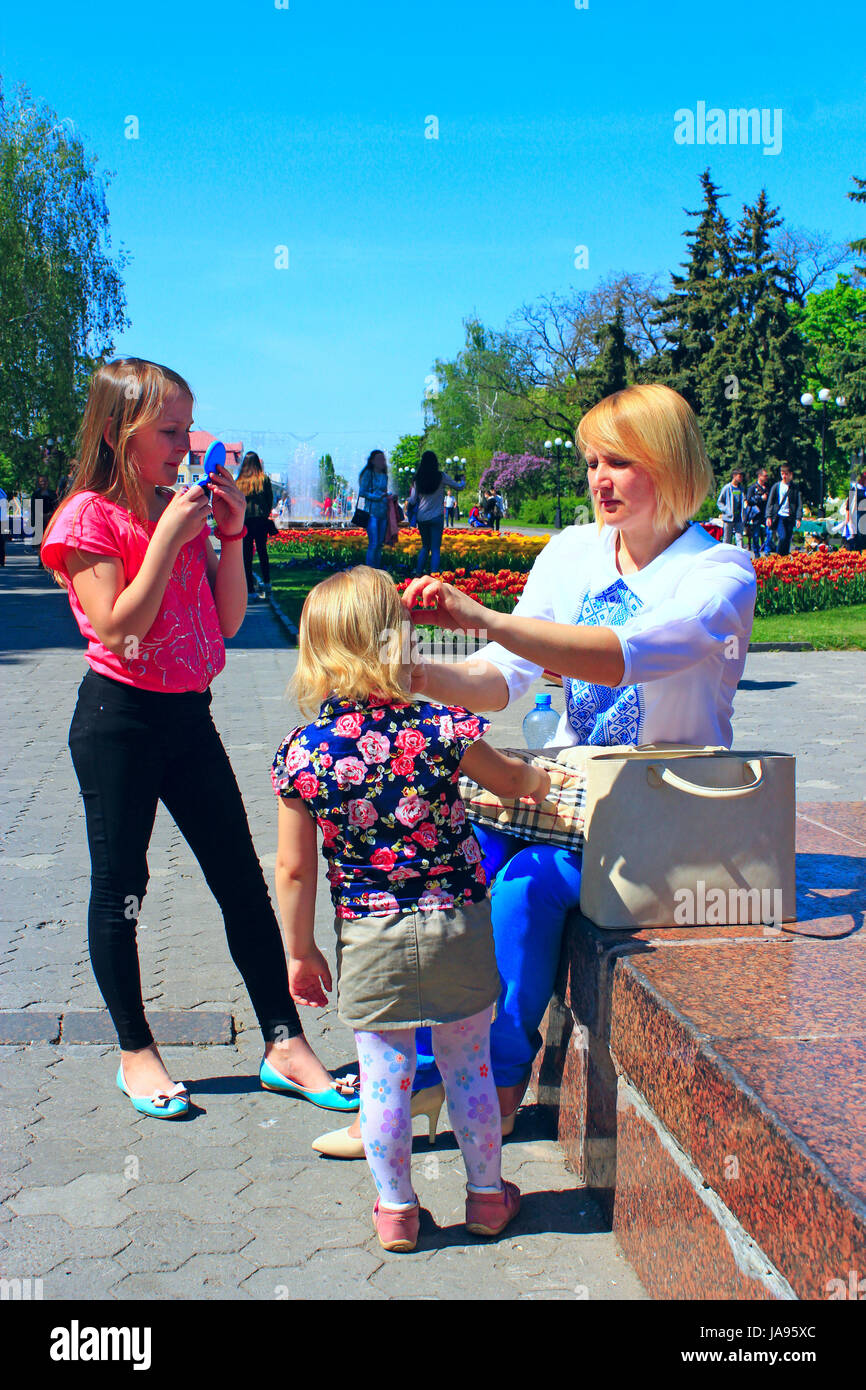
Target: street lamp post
556,445
808,399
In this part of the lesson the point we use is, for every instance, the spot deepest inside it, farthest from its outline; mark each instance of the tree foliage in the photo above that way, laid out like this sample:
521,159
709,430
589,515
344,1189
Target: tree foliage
405,457
728,330
858,195
61,294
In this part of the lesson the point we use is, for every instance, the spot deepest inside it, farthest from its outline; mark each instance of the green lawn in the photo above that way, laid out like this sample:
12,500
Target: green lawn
832,629
290,588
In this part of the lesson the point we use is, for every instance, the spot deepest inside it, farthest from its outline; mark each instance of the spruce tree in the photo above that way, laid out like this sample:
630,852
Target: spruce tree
771,352
613,368
858,195
696,318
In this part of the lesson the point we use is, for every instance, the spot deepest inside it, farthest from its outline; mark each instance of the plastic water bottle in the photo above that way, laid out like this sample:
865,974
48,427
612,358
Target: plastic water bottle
541,723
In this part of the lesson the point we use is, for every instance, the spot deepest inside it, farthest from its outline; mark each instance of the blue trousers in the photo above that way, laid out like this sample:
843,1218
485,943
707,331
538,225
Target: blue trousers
533,888
376,528
431,544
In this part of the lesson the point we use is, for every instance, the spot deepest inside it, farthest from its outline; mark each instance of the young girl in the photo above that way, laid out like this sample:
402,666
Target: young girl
378,774
155,604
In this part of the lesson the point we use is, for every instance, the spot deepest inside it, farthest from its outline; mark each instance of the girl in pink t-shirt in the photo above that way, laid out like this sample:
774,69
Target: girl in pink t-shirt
155,604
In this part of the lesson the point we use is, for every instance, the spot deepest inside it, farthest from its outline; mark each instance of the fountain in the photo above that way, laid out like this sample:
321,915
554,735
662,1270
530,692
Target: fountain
294,468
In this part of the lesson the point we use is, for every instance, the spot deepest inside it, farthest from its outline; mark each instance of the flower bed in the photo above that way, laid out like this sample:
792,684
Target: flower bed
334,549
806,583
499,591
786,583
493,568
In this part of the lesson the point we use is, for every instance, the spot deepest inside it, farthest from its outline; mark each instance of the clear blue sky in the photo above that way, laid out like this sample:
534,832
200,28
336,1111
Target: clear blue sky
305,127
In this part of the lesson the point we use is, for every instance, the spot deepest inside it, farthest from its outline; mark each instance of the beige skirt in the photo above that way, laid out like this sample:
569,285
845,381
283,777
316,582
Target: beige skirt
410,969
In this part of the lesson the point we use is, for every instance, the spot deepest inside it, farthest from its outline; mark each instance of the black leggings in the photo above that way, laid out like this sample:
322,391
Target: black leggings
132,748
257,535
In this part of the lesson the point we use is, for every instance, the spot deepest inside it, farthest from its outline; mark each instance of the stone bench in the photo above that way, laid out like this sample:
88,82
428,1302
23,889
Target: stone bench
709,1084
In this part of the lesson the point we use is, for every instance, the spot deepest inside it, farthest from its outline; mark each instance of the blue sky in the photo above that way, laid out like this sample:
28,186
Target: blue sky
304,127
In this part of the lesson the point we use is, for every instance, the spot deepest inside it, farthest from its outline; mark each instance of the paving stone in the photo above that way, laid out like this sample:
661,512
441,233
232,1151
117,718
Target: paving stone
91,1200
26,1027
35,1244
267,1192
287,1236
49,1170
160,1240
151,1164
263,1166
80,1279
207,1192
338,1274
203,1277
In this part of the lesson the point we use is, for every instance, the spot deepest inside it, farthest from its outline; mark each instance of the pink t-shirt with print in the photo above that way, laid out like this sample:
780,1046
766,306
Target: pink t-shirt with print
184,648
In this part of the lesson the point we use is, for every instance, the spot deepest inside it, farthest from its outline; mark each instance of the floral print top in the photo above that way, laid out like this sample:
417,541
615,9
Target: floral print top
382,783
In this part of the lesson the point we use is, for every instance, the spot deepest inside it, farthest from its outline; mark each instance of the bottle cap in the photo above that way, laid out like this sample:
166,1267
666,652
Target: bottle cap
542,702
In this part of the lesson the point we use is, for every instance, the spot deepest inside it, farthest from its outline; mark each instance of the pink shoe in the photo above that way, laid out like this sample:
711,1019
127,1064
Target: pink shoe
488,1213
397,1230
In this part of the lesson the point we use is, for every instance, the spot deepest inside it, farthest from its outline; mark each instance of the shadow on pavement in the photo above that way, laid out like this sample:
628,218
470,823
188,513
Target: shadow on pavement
35,615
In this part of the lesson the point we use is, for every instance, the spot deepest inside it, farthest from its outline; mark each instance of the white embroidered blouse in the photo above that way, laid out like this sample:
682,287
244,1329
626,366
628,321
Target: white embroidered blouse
683,621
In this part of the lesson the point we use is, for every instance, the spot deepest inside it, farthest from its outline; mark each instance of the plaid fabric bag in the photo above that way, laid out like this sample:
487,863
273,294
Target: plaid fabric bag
557,821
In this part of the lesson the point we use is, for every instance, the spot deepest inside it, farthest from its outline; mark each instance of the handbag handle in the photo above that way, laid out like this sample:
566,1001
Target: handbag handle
720,793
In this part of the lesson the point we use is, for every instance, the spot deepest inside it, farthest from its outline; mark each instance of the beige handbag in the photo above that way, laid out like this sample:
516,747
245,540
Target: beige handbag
687,837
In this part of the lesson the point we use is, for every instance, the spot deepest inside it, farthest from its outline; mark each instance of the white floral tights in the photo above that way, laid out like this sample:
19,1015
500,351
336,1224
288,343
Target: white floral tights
387,1061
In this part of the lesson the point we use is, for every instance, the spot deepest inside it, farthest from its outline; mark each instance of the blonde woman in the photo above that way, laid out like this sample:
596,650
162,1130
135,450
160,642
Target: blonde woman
377,773
255,485
647,618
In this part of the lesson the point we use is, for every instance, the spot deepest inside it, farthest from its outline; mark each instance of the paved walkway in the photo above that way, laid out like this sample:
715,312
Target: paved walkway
233,1203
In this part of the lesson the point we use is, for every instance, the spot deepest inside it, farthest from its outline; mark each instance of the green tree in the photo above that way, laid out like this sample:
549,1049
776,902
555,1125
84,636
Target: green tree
469,405
614,366
61,295
405,457
858,195
699,306
327,477
832,325
767,353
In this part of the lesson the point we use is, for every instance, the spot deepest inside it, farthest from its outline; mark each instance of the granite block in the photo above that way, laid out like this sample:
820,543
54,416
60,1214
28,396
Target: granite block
23,1026
675,1241
796,989
779,1131
170,1027
774,1123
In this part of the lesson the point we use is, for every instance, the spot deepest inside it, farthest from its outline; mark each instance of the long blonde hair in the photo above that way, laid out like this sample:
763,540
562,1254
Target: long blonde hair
656,428
351,640
130,394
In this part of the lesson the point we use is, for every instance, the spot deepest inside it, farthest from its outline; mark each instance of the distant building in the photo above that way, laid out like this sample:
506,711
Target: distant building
190,470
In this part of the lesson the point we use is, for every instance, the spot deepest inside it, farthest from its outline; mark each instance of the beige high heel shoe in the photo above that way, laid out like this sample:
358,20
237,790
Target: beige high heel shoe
339,1143
512,1095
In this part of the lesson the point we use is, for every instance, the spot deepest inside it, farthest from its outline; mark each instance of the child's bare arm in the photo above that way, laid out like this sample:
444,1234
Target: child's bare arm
502,775
295,877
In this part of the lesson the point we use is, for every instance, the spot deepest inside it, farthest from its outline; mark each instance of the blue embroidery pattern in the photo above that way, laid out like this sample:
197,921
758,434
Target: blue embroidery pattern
598,714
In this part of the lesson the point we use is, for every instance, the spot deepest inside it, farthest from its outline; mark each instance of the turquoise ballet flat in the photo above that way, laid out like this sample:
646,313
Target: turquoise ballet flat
327,1100
162,1105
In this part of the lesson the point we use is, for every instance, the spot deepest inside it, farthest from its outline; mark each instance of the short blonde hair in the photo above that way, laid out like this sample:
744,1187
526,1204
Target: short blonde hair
351,640
655,428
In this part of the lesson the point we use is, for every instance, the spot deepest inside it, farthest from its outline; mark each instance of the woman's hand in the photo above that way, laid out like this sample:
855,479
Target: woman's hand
443,605
228,502
184,516
310,979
